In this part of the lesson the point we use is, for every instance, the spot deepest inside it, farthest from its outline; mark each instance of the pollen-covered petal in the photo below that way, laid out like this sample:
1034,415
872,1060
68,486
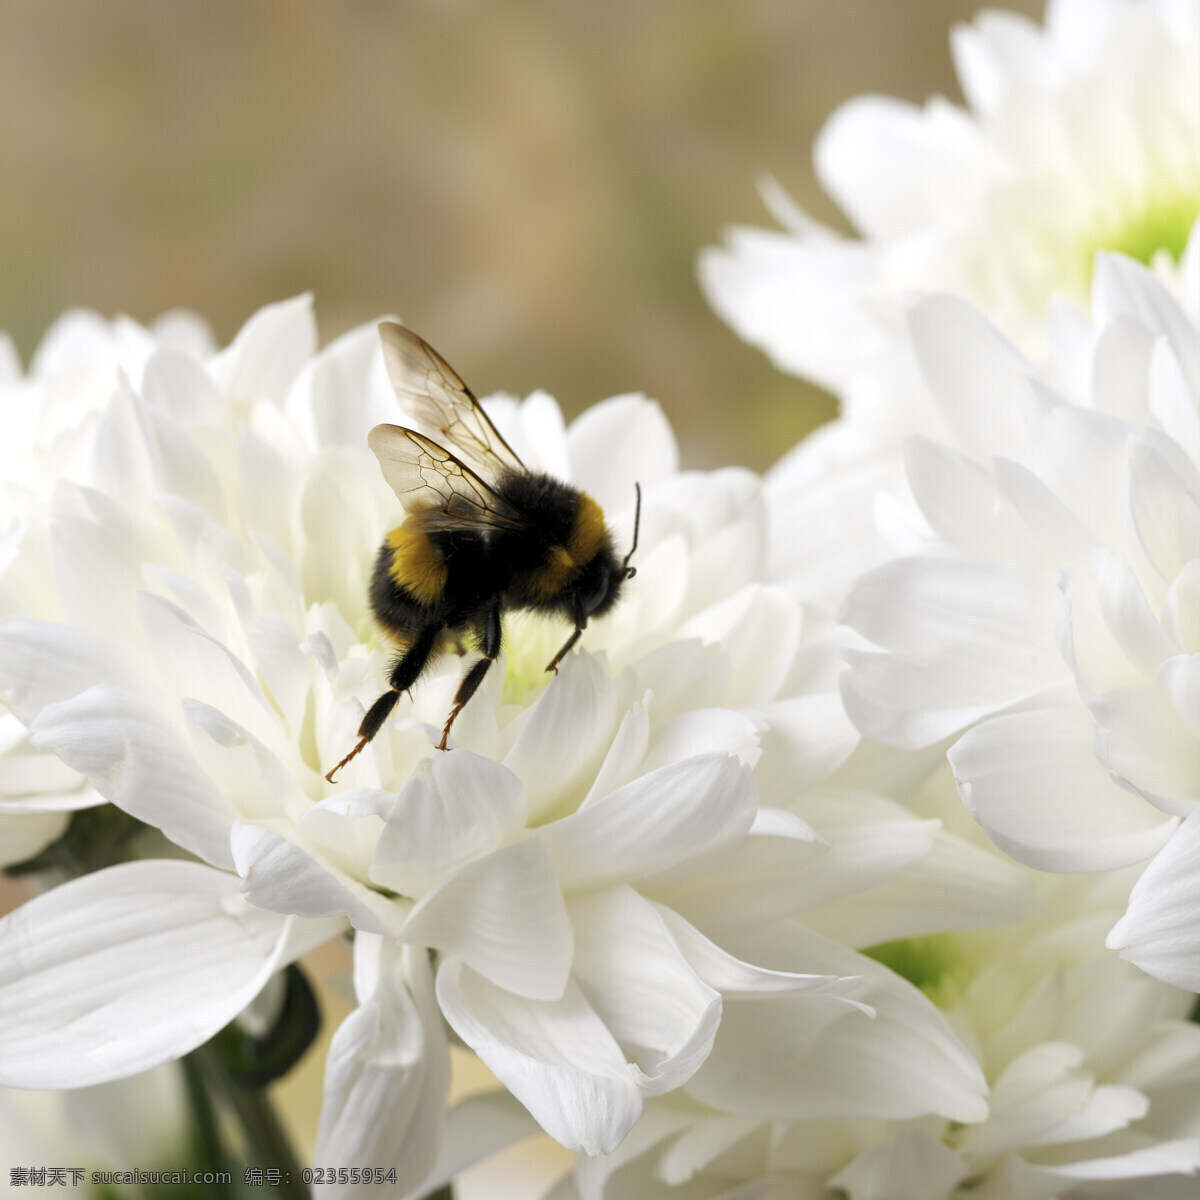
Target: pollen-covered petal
168,955
556,1056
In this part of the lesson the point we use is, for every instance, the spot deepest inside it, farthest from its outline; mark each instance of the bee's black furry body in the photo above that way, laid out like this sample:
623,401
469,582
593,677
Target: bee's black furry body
482,536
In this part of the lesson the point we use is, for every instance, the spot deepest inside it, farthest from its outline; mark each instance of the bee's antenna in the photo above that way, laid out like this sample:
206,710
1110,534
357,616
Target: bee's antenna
629,571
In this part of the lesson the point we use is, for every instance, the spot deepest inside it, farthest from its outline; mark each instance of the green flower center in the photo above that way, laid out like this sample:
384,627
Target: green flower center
530,642
940,965
1163,224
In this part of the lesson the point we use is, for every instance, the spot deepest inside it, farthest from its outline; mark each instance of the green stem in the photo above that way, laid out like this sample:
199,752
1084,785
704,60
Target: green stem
267,1144
206,1137
443,1193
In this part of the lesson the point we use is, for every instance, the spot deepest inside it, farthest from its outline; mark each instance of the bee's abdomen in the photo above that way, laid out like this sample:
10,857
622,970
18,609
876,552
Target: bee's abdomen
405,586
416,565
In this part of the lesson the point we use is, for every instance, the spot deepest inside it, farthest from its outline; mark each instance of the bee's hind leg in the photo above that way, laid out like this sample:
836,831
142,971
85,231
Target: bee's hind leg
404,674
490,640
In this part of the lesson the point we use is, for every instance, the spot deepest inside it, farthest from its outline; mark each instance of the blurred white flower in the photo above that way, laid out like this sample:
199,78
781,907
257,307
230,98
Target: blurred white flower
189,630
1043,614
1080,136
1077,137
140,1121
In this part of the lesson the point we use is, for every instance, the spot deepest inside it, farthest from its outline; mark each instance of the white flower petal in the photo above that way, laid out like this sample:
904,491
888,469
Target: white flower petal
454,807
504,916
557,1057
706,1140
683,675
786,1056
387,1077
1160,931
915,1166
168,955
751,283
1122,286
738,980
957,497
1045,1096
242,768
617,443
624,756
664,824
268,351
699,731
281,874
42,663
642,987
963,638
759,629
183,651
1143,743
878,159
1052,805
807,738
565,734
476,1128
982,385
136,758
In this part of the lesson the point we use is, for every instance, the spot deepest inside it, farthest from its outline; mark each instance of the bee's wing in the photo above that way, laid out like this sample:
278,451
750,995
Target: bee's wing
432,392
435,488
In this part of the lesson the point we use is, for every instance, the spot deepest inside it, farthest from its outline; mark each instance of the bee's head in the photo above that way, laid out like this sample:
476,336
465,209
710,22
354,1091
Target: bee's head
599,584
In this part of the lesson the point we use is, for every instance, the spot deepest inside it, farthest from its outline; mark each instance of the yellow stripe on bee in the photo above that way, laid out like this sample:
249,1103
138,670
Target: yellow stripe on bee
564,562
416,566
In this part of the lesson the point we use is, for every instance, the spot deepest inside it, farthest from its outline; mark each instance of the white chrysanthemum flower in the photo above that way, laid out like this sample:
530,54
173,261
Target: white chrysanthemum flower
196,642
70,378
1092,1070
1044,619
1080,136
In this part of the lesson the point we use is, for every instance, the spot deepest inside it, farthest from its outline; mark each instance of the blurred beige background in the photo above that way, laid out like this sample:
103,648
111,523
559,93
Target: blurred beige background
526,184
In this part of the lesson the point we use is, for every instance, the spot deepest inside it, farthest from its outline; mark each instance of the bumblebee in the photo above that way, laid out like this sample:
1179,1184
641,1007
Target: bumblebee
482,534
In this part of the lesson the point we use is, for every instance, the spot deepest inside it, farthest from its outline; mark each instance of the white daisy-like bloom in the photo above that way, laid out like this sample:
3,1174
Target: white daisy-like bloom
70,377
188,629
1077,136
1041,615
1092,1069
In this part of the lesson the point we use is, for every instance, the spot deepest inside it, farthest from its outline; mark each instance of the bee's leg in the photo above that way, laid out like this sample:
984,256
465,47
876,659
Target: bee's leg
490,639
404,675
580,626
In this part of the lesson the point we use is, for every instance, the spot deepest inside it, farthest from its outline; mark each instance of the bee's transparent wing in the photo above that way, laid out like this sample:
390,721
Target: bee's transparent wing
432,392
436,489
